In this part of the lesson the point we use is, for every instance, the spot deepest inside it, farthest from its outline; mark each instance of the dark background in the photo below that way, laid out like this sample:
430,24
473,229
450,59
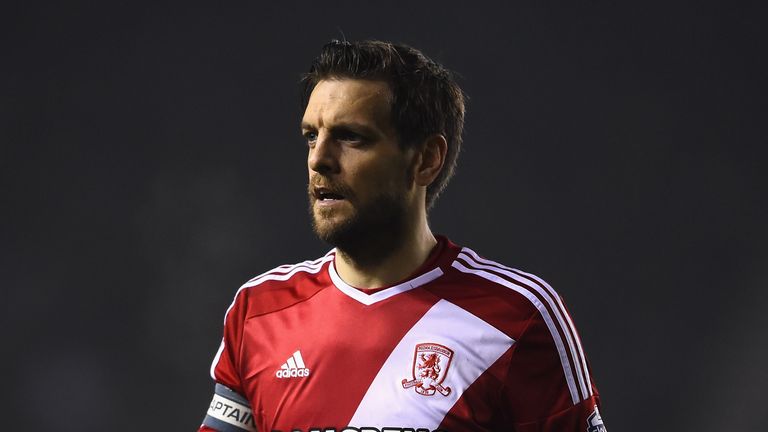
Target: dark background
151,163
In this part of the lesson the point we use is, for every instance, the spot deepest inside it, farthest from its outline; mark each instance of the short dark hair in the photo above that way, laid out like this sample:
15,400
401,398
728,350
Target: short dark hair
426,98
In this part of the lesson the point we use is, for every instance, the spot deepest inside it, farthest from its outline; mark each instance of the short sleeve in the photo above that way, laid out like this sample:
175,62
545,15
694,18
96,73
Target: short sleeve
229,410
549,386
225,365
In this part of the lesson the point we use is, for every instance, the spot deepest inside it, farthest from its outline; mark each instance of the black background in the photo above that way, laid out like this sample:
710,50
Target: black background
151,162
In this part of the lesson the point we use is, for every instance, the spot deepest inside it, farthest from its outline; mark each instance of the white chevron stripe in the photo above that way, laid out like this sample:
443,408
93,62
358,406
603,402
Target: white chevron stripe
476,346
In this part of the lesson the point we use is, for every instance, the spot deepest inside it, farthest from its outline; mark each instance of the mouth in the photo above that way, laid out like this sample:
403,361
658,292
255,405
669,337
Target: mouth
327,196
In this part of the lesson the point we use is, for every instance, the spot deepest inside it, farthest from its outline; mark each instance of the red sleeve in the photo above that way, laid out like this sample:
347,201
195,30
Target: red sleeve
225,367
225,370
549,387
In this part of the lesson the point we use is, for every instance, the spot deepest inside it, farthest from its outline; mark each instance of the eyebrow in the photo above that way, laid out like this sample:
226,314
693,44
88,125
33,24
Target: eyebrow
364,129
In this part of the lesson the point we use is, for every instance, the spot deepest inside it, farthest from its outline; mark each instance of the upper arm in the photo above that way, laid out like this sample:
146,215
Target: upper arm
548,385
229,410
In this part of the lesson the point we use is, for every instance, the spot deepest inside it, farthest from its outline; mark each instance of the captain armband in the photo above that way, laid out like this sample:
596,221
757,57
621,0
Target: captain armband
229,412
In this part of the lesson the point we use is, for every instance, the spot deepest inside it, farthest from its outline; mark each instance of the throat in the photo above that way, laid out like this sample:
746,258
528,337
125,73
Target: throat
375,272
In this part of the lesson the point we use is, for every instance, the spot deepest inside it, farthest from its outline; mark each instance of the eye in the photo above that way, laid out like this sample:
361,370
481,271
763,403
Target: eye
310,136
348,136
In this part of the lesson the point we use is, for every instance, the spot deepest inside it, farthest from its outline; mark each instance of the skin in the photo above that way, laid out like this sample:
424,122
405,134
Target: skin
354,150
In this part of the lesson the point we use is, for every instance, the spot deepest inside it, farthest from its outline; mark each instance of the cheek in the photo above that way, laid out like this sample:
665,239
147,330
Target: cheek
377,176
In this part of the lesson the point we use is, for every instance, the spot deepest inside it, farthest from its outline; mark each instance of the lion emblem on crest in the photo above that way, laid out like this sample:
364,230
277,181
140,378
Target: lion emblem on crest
430,364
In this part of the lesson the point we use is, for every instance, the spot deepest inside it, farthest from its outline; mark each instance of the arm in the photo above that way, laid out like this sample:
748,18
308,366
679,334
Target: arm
549,386
229,410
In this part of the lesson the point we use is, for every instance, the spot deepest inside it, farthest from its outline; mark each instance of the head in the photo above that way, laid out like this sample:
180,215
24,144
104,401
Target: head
425,98
383,123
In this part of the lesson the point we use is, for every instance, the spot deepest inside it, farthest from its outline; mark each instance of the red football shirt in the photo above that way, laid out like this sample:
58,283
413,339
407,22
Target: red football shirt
464,344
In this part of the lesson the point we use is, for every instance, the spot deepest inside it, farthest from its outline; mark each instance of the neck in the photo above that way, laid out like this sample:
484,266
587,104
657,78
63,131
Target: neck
397,265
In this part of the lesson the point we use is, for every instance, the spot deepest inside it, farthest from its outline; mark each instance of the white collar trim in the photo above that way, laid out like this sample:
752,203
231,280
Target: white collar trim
369,299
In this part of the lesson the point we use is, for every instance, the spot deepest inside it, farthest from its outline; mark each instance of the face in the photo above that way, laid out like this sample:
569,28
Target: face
359,186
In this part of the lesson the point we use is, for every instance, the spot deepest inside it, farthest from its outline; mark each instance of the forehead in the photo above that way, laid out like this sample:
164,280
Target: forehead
343,100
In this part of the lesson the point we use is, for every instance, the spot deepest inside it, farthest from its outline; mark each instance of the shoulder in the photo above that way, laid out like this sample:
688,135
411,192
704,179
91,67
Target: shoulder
508,283
287,272
281,286
504,297
548,332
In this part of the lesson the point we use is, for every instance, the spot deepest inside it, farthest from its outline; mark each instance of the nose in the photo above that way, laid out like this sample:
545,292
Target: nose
323,155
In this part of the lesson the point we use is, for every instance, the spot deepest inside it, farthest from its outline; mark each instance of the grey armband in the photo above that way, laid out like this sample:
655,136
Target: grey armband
229,412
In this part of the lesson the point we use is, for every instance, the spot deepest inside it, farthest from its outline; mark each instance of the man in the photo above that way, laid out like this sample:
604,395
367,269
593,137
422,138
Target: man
395,328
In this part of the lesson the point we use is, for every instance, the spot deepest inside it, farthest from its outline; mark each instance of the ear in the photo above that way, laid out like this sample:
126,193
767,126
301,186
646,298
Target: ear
430,159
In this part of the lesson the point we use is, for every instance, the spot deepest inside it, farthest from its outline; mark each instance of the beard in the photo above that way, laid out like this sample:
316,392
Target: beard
372,232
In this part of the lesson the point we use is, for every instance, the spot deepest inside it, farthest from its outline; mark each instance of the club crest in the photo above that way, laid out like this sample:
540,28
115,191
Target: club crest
430,364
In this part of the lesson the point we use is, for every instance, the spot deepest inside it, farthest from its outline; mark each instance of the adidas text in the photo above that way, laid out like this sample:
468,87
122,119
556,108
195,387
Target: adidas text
294,367
292,373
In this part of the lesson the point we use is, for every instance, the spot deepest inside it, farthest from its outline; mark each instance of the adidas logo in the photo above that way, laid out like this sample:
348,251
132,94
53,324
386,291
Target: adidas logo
294,367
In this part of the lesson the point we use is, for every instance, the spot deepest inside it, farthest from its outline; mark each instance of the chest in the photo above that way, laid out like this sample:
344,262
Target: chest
332,362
